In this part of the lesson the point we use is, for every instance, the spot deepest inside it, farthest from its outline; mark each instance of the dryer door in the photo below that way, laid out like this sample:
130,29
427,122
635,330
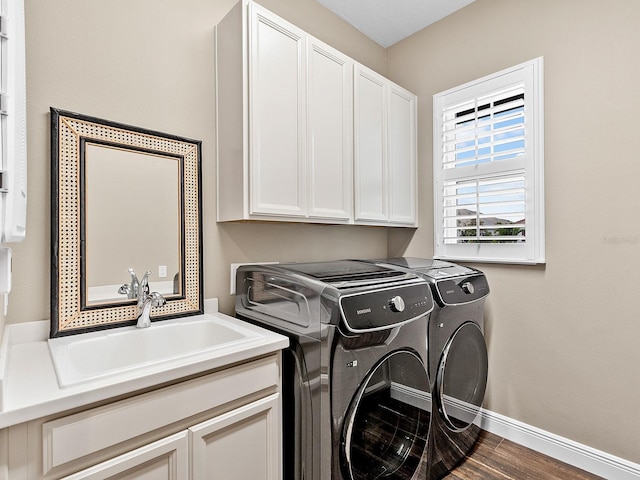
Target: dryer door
385,431
462,377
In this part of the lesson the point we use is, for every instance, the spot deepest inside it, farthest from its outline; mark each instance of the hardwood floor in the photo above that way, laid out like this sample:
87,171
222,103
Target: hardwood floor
494,458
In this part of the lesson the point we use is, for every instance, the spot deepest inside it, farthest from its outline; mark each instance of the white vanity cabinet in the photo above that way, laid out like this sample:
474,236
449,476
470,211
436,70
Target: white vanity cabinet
240,444
385,151
165,459
284,118
224,424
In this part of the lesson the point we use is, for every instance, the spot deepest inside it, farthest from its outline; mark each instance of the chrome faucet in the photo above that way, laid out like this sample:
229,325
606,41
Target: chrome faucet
130,290
153,299
147,300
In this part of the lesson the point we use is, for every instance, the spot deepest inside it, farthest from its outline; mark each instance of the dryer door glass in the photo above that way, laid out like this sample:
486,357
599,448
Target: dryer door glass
386,426
462,377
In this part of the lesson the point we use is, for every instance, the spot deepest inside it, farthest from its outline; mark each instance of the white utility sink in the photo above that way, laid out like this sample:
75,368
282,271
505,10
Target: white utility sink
90,356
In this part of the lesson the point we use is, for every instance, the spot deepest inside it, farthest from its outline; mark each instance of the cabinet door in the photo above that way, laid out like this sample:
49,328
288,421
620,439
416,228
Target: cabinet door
276,115
370,146
329,131
241,444
165,459
402,156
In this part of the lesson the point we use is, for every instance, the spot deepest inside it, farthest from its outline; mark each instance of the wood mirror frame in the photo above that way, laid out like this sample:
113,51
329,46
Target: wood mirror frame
70,311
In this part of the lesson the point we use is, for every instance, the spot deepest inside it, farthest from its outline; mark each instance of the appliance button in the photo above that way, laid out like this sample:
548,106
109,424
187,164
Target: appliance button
467,287
397,304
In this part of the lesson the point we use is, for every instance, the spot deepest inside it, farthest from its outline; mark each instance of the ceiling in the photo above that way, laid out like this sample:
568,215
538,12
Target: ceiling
389,21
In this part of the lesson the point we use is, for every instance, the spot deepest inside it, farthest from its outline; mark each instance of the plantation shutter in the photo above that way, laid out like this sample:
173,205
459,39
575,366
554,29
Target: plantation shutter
487,166
13,123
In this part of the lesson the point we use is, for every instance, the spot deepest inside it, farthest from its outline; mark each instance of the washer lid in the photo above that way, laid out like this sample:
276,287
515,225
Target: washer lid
343,271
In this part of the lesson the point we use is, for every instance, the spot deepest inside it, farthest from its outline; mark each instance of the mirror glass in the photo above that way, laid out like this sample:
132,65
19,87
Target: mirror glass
132,220
124,199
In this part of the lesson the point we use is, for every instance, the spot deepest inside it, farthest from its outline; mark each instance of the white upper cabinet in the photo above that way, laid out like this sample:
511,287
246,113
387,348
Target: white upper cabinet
402,146
385,150
277,110
330,132
370,146
285,129
284,116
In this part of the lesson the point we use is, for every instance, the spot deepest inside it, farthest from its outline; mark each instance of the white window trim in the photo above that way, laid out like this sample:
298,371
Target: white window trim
13,142
533,250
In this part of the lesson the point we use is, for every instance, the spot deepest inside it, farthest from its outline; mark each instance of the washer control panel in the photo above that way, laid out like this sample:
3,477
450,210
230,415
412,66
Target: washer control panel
385,308
397,304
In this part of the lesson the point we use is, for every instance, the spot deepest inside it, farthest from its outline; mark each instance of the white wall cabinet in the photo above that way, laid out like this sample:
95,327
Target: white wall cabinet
226,424
329,132
385,150
285,119
277,109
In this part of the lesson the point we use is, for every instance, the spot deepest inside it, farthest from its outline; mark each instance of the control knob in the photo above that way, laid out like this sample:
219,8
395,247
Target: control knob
467,287
397,304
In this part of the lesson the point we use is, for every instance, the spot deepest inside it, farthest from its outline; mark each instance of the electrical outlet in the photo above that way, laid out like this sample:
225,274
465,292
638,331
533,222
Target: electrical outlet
162,271
234,267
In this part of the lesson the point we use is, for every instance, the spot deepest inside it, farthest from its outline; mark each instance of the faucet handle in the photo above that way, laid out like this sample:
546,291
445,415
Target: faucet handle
157,300
144,283
134,282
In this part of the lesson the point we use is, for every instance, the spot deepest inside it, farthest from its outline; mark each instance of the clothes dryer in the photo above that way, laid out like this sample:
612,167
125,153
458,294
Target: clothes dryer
457,358
356,401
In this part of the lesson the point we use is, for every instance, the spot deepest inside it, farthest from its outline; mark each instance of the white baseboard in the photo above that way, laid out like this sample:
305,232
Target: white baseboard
567,451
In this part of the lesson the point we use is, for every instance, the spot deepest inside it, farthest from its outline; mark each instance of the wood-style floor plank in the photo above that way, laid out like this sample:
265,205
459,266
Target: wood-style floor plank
494,458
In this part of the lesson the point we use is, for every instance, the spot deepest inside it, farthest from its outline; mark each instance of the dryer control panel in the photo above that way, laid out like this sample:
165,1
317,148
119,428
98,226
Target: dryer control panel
461,290
385,308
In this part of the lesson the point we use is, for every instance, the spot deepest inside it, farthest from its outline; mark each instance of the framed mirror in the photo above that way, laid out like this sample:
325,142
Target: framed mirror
124,201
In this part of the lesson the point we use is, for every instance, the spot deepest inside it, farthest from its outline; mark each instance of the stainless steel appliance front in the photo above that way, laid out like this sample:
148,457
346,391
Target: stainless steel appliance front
357,396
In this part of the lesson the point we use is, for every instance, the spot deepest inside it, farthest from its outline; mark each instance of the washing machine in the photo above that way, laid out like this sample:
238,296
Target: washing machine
457,356
356,392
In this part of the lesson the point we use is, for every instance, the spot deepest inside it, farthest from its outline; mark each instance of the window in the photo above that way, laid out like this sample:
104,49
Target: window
488,168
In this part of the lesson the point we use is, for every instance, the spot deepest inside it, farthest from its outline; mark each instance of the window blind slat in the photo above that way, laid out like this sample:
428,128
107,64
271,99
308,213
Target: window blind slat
485,209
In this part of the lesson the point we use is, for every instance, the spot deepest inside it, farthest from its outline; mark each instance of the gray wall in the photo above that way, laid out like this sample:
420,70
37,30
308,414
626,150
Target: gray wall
563,337
150,64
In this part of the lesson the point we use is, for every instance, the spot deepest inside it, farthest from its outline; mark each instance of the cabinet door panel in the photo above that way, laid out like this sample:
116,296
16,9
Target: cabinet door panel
330,131
277,113
371,145
166,459
241,444
402,156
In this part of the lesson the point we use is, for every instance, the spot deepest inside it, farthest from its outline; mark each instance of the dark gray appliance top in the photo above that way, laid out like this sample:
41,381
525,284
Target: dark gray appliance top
301,296
430,267
453,284
344,272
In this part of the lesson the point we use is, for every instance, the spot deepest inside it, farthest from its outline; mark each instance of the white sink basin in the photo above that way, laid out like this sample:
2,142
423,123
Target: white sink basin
95,355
